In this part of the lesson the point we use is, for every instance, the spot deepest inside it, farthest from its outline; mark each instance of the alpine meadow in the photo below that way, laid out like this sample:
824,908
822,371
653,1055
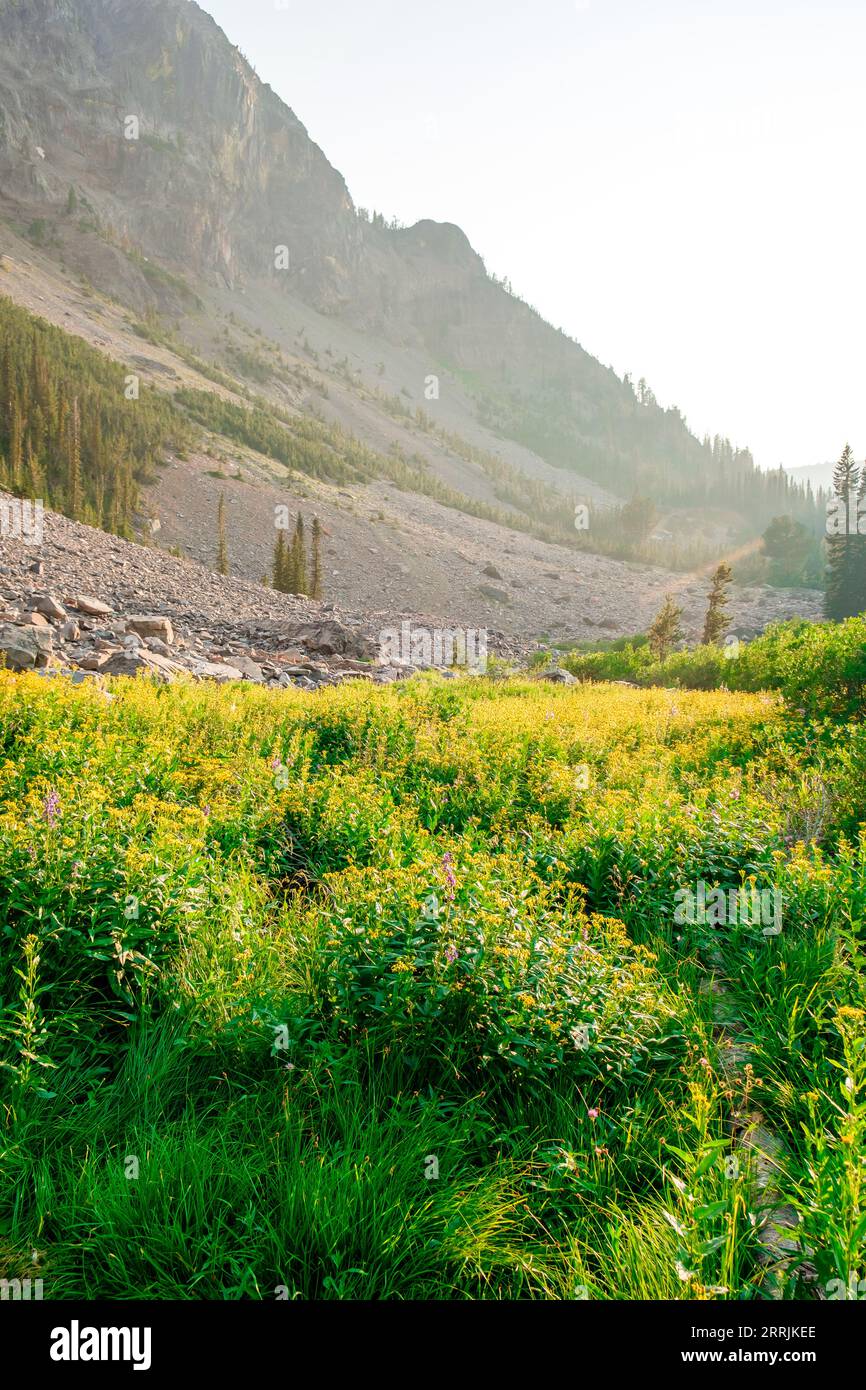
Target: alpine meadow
432,771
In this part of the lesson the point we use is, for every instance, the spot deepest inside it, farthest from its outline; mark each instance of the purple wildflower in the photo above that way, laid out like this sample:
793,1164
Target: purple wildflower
450,877
50,808
451,954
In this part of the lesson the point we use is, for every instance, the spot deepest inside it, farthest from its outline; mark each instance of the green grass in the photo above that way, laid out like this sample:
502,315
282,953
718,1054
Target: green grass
366,995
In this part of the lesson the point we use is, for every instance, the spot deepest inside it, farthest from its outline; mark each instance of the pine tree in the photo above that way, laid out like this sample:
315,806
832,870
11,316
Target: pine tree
841,599
716,622
280,576
298,560
15,448
222,543
665,631
315,588
71,201
73,473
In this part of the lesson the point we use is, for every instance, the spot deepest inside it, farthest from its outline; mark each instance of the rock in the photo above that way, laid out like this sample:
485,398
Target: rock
151,626
497,595
333,637
301,669
92,606
491,571
212,670
248,668
47,604
37,568
25,647
36,620
140,661
559,677
156,644
95,661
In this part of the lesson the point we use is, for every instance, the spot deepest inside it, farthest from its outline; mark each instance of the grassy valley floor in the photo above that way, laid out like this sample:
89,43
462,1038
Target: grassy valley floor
392,993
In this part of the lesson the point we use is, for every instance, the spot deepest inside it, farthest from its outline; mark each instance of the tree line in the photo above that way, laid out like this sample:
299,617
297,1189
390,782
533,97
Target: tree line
71,430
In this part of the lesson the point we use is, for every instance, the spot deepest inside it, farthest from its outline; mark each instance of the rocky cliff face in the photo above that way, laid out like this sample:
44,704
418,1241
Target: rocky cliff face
222,173
219,171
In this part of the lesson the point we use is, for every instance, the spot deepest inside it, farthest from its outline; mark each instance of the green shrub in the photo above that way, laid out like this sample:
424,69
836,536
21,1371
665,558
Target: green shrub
499,978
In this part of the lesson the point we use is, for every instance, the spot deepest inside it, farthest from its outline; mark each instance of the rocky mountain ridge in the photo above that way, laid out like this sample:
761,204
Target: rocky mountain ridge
221,175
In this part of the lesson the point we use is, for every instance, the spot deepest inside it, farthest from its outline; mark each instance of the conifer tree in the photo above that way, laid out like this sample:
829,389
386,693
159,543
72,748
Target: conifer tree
315,587
15,448
665,630
222,543
716,622
280,576
841,598
298,560
73,485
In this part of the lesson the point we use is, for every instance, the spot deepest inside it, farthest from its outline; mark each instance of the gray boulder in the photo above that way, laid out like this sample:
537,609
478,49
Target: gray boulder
48,604
25,647
151,625
138,661
332,637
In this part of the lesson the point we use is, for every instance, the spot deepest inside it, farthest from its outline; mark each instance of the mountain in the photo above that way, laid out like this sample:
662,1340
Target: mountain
144,162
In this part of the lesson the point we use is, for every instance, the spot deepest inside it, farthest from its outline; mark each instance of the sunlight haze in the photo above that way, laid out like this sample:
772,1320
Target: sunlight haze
673,184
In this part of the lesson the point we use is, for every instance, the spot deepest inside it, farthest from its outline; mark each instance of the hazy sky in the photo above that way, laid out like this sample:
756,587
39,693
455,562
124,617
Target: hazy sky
676,183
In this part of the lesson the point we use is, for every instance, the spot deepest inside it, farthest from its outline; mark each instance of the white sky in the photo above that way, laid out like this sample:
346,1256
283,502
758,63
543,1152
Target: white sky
676,183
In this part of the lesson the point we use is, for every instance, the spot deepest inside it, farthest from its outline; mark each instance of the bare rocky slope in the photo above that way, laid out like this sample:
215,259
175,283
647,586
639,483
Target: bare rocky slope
82,600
